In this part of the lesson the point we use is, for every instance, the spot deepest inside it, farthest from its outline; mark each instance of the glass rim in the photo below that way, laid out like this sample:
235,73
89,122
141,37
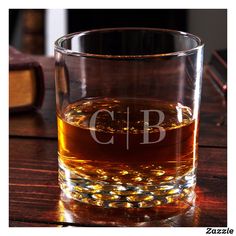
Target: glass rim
59,41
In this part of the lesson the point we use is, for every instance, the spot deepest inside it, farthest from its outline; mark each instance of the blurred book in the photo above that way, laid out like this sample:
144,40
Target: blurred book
217,70
26,82
33,31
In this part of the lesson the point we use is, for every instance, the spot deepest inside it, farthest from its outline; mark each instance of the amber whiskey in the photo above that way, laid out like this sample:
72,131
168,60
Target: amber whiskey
127,172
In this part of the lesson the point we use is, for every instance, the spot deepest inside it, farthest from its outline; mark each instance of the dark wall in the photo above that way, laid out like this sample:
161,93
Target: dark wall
85,19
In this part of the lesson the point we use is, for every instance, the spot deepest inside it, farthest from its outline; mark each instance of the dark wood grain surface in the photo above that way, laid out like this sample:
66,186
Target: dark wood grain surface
34,195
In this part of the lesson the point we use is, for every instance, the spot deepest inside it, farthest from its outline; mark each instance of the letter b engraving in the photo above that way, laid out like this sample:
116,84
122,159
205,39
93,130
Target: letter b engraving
147,126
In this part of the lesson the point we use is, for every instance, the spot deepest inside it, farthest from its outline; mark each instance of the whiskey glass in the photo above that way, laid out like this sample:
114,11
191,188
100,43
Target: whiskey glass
127,102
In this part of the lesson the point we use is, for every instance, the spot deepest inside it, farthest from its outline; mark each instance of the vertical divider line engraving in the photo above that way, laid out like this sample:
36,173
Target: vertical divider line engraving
127,134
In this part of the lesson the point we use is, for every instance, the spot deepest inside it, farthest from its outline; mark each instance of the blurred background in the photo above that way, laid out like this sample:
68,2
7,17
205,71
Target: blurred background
35,30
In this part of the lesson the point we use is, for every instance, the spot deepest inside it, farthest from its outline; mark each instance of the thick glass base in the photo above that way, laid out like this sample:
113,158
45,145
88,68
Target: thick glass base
106,195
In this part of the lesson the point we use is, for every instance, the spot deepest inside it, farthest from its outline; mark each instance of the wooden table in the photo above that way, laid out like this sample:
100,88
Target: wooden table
34,192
